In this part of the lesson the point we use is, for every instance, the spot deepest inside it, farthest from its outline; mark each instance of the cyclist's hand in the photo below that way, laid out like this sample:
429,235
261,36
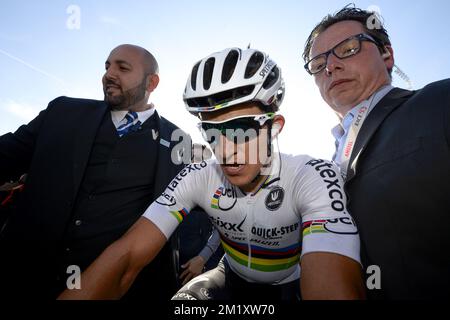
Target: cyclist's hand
193,267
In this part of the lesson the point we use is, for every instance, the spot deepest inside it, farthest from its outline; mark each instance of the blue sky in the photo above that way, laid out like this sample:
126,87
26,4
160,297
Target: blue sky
41,58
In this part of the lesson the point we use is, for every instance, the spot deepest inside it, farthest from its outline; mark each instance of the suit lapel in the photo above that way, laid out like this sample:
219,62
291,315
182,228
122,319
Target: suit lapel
388,104
163,136
85,138
166,169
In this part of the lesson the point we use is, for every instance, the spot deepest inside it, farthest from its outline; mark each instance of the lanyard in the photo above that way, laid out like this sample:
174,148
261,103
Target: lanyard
360,115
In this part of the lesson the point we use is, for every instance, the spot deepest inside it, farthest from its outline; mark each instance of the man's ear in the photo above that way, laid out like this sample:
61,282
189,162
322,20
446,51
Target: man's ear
388,57
152,82
277,125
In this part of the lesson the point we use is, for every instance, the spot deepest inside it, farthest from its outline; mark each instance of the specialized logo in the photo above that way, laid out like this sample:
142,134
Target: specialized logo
267,68
166,200
265,242
274,199
224,199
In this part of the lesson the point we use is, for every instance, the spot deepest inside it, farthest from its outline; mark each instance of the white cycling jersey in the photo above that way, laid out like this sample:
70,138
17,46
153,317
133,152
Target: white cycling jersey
299,209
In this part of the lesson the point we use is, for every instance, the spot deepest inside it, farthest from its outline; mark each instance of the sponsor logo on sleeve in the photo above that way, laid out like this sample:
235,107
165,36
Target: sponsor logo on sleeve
183,173
342,225
166,200
330,178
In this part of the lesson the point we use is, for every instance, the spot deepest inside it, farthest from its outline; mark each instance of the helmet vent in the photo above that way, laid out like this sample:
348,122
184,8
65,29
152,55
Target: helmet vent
255,62
272,78
194,76
221,98
229,65
208,73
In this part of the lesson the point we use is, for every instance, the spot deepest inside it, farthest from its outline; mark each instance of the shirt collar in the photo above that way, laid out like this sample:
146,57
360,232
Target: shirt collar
118,115
339,130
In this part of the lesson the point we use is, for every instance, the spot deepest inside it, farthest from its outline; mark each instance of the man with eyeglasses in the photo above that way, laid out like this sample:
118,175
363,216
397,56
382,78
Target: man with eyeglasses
392,148
275,213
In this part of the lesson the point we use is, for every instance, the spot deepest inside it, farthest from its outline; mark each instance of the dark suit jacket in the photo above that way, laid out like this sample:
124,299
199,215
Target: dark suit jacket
54,150
399,191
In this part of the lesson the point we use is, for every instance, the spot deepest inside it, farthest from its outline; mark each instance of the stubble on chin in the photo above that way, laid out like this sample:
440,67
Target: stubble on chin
115,103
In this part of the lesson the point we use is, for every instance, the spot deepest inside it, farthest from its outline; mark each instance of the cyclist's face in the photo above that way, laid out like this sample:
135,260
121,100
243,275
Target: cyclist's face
240,162
346,82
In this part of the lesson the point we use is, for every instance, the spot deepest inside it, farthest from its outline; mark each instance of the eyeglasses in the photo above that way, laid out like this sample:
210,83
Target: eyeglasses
238,129
345,49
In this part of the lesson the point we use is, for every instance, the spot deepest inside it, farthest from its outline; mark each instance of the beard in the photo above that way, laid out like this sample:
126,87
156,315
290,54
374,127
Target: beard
126,98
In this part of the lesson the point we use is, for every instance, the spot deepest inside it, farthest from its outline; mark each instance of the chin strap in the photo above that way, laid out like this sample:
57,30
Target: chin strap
269,139
269,148
258,175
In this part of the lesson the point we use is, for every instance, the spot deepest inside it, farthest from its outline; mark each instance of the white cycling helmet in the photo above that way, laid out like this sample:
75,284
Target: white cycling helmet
233,76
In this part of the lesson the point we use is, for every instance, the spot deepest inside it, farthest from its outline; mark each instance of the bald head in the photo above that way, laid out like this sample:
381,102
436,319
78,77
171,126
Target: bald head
131,76
148,60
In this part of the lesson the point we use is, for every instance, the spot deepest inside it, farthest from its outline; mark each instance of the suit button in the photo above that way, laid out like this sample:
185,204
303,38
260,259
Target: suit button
91,197
78,223
67,249
114,160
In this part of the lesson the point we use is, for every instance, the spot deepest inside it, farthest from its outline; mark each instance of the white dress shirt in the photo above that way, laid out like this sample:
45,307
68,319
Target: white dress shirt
340,132
118,116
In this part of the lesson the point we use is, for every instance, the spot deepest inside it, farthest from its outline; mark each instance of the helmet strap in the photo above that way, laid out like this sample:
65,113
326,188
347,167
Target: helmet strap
269,139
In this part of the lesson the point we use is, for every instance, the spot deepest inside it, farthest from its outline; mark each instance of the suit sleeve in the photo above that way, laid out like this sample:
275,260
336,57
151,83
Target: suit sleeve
447,118
16,149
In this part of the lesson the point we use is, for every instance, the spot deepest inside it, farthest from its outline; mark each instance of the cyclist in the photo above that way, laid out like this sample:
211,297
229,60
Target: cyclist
275,213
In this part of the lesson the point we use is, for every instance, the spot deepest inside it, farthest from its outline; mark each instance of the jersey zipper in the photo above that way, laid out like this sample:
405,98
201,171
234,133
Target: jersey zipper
251,199
250,213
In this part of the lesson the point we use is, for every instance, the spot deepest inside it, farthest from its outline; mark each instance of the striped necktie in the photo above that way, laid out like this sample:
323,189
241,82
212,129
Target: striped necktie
132,124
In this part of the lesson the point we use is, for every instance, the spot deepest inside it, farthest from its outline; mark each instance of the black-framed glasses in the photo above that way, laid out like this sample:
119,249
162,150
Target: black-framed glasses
343,50
231,128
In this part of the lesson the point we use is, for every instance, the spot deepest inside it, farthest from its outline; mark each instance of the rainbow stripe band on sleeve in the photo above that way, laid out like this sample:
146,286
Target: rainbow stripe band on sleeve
179,215
315,226
263,259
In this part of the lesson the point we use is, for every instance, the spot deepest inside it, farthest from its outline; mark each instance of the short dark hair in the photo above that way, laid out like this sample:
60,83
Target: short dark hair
350,12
